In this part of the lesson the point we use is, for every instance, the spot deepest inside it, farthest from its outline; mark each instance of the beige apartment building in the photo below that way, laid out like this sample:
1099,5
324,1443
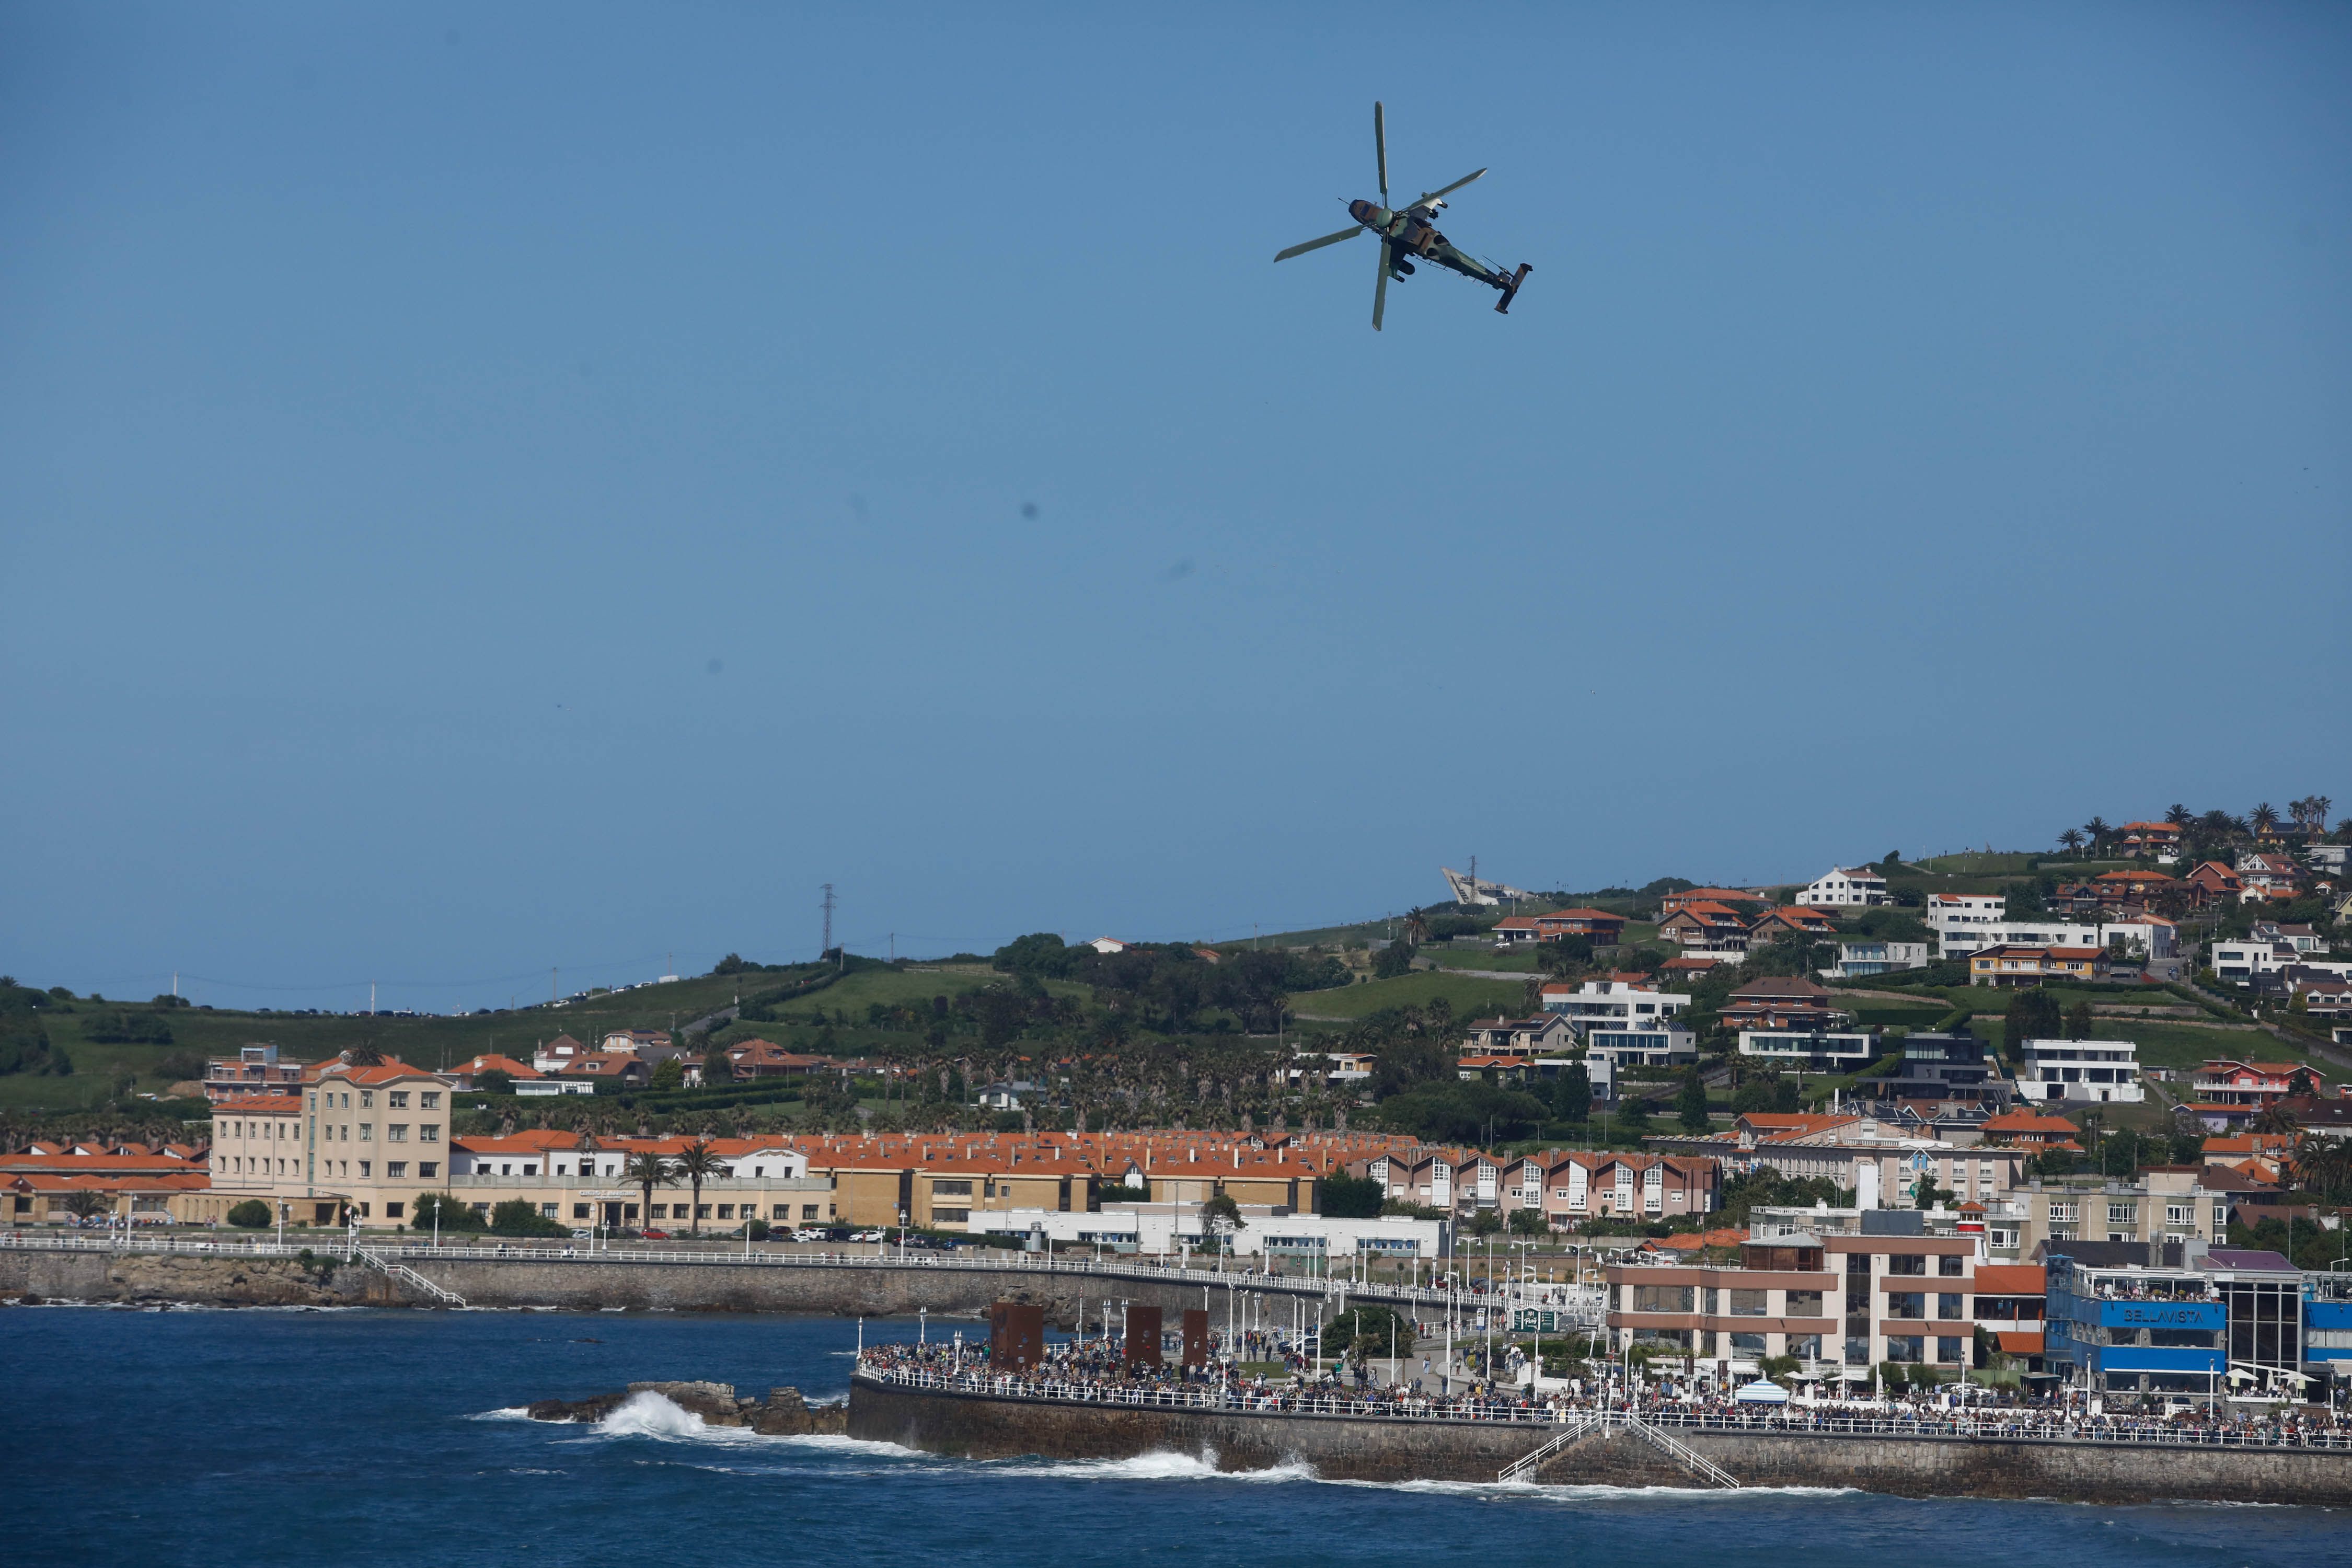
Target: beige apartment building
1833,1301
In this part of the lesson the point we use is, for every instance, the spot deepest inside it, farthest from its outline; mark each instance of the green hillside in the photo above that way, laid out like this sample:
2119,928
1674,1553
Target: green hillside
1469,997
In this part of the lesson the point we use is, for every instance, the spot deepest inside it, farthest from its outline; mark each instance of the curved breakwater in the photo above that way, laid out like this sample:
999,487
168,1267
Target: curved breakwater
1368,1449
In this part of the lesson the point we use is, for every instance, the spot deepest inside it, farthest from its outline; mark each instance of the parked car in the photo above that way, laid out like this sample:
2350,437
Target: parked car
868,1236
808,1233
657,1235
583,1235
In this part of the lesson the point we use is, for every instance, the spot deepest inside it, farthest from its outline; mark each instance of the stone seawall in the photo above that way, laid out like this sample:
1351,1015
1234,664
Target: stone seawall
1339,1448
587,1284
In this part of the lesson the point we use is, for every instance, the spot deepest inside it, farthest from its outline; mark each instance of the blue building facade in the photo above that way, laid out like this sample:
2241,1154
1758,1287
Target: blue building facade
2134,1330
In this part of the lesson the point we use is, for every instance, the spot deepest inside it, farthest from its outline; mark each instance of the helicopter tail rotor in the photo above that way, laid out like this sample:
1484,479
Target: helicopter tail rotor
1511,289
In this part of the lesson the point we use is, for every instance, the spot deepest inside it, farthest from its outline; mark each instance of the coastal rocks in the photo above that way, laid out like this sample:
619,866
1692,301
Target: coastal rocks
783,1413
178,1278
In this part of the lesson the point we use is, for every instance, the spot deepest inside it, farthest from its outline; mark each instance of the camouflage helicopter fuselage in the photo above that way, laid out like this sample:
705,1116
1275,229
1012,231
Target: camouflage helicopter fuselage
1413,236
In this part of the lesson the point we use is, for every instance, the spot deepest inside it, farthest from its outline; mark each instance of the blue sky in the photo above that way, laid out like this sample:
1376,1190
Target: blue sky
487,488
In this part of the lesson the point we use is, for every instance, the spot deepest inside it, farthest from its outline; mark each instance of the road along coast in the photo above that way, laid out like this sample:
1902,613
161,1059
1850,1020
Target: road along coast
377,1272
1614,1451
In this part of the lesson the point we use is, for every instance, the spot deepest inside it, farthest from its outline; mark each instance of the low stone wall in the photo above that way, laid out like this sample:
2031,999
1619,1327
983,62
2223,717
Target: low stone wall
588,1284
1340,1448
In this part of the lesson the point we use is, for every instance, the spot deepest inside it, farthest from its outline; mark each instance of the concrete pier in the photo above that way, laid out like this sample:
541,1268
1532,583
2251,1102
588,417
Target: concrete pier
1342,1448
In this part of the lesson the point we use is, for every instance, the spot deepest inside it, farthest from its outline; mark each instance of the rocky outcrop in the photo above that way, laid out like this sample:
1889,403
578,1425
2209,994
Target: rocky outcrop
142,1279
783,1413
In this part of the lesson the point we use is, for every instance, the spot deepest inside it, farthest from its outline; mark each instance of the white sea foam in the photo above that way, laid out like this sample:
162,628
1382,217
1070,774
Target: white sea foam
506,1413
1161,1465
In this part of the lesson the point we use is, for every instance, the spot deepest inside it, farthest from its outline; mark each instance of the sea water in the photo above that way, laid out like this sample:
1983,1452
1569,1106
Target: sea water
255,1437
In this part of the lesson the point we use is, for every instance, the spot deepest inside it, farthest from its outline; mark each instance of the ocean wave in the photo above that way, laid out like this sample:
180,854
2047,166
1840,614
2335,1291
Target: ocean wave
505,1413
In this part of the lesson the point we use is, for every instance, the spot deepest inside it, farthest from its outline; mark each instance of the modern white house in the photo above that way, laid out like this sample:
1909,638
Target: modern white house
1613,1004
1824,1050
1608,1051
1845,885
1859,955
2145,939
1948,913
2092,1070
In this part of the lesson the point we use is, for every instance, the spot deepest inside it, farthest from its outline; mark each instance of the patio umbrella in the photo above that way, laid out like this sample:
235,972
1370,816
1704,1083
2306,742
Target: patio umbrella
1761,1393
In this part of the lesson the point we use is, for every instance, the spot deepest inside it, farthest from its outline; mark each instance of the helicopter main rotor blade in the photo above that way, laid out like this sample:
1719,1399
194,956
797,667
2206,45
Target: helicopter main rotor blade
1448,190
1381,290
1381,149
1317,244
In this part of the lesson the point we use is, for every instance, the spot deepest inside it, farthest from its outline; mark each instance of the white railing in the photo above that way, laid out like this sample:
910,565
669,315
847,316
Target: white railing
410,1276
1528,1463
1680,1452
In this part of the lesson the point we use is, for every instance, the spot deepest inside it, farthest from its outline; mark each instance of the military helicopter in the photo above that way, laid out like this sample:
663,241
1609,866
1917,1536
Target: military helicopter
1407,232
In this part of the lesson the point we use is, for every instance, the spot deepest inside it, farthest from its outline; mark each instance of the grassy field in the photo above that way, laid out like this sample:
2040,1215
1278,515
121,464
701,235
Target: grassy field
1871,1013
1469,997
1482,958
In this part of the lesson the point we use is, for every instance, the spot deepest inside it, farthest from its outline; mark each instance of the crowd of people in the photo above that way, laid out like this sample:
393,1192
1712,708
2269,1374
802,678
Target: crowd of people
1271,1374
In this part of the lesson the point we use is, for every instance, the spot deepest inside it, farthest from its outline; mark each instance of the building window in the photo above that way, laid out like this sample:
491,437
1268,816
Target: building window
1947,1305
952,1189
1906,1304
809,1211
1808,1346
397,1099
726,1211
367,1132
945,1216
1660,1299
397,1133
1904,1347
395,1169
364,1168
430,1099
779,1210
1747,1304
1949,1265
367,1099
579,1211
393,1211
2123,1213
429,1133
1951,1349
428,1169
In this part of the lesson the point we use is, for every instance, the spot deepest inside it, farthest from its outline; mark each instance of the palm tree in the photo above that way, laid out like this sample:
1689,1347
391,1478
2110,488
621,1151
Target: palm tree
1416,928
2071,840
2276,1117
2099,832
697,1164
648,1170
2177,814
2265,818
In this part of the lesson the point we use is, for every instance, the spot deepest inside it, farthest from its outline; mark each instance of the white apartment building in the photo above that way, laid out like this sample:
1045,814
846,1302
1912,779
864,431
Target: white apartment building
2150,939
1171,1227
2090,1071
1845,885
1950,912
1613,1004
